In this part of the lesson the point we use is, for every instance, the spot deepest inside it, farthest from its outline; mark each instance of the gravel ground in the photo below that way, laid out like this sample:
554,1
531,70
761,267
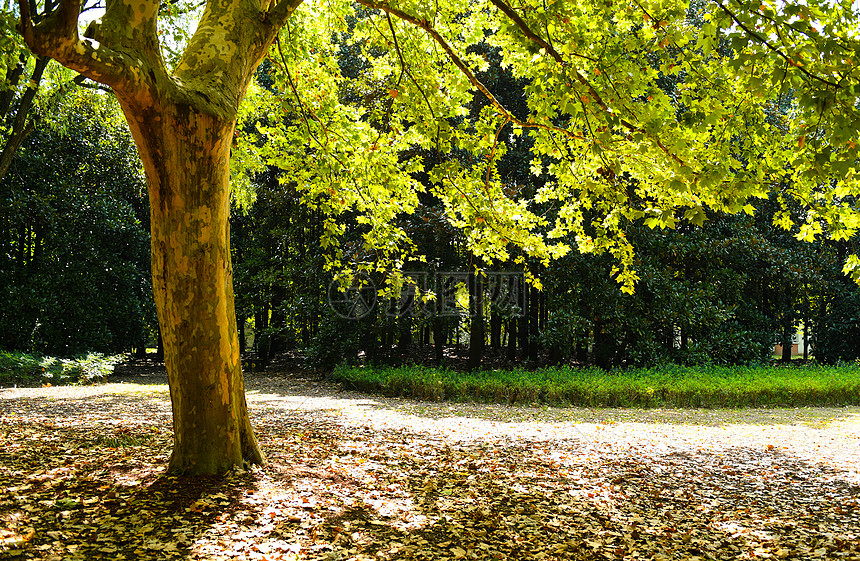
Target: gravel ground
356,476
829,435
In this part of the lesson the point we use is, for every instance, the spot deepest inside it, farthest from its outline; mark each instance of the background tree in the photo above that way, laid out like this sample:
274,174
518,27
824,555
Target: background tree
28,93
74,242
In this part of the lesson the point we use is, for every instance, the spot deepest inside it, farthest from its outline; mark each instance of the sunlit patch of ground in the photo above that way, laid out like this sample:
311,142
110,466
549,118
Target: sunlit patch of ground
353,476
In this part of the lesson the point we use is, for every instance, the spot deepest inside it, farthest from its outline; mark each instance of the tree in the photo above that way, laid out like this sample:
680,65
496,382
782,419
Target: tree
15,121
74,243
22,82
183,123
601,125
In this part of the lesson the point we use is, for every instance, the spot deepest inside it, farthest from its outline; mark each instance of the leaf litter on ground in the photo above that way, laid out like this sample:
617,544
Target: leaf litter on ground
357,477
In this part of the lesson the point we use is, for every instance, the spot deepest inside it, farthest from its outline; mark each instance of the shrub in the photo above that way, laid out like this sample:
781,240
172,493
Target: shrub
28,369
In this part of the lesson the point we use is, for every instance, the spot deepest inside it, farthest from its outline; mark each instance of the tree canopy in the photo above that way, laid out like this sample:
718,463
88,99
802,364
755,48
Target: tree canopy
654,112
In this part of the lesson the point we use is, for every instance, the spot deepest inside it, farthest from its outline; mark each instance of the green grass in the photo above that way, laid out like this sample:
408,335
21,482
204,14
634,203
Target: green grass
26,369
667,386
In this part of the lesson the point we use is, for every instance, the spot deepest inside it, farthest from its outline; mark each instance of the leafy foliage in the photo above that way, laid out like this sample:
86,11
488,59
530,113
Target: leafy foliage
670,115
74,241
661,117
24,369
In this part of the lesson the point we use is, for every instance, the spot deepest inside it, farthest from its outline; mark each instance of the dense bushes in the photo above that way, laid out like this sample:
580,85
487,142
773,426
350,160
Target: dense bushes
74,242
836,327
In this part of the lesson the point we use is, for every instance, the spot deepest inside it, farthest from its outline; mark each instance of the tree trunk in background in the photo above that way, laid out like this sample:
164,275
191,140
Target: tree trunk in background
534,323
371,339
805,322
544,311
404,326
787,337
581,352
159,347
438,340
512,339
523,329
495,330
387,338
476,329
261,324
243,343
604,347
277,323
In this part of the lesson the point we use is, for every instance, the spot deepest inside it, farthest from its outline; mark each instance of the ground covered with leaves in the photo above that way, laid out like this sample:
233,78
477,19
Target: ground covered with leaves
357,477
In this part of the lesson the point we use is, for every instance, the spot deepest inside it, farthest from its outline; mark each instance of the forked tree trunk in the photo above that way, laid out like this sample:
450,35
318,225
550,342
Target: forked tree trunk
182,122
186,156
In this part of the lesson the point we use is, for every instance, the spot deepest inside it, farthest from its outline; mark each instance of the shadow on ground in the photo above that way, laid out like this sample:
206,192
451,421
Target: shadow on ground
359,477
332,492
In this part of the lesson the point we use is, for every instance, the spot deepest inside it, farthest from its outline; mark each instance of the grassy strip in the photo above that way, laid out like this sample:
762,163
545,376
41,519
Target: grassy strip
27,370
668,386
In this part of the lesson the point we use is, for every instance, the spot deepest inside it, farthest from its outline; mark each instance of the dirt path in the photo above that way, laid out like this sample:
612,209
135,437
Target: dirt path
352,476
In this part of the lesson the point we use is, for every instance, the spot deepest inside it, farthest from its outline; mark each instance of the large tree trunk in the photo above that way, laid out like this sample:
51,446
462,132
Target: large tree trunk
186,155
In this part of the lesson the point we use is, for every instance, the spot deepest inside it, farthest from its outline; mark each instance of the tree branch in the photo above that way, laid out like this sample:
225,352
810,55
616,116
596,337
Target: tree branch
526,30
13,75
56,36
130,27
592,91
279,13
81,80
458,62
779,53
21,126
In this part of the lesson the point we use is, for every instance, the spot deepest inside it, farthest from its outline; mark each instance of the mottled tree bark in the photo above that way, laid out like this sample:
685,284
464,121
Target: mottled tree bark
193,286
